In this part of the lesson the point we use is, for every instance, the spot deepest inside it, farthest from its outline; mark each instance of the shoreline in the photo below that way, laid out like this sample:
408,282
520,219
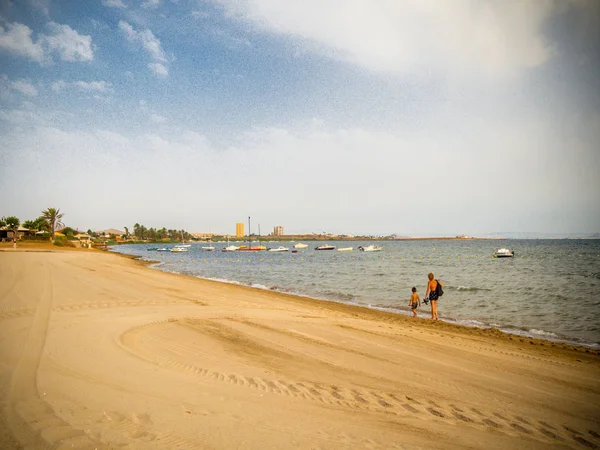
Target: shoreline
516,332
100,351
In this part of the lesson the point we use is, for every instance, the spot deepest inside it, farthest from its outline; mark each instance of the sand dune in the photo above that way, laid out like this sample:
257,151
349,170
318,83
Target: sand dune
98,351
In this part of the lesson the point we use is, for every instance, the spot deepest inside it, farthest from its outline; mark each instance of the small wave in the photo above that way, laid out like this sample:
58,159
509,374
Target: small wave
468,289
524,332
340,296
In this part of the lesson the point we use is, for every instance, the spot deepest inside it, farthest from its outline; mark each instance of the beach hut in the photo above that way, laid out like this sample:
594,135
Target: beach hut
7,234
84,239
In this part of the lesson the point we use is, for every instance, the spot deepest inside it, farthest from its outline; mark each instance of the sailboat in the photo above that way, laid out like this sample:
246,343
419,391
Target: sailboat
249,248
183,247
229,248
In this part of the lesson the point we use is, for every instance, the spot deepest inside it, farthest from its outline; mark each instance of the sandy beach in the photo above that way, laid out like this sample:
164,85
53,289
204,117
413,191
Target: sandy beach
99,351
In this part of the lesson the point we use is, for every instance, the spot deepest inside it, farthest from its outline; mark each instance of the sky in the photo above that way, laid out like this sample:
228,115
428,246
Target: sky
413,117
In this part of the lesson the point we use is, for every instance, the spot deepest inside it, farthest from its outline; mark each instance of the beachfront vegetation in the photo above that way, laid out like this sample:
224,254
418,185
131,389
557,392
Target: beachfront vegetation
12,223
53,218
38,224
142,233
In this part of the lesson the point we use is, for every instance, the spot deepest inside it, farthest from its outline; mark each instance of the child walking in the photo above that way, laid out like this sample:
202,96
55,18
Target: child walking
415,301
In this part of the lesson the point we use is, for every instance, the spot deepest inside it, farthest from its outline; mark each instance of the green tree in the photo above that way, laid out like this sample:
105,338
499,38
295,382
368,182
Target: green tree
53,217
137,231
69,232
12,223
35,225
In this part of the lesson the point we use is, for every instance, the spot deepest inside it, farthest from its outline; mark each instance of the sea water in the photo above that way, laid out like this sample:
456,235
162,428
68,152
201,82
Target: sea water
549,290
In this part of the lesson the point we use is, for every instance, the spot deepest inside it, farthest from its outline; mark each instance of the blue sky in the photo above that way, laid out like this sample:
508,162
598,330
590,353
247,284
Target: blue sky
357,117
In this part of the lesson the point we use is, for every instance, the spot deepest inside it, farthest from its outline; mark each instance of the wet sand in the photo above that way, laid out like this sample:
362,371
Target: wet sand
99,351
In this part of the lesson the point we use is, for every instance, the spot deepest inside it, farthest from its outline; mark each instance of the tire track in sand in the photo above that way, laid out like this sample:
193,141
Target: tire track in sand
374,401
31,420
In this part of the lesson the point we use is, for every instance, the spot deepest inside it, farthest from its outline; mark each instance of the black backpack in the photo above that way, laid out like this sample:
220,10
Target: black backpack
439,291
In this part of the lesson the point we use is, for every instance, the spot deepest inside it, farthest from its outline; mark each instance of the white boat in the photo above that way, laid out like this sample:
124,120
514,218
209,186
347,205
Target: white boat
208,249
369,248
325,247
179,249
278,249
345,249
504,253
229,248
300,245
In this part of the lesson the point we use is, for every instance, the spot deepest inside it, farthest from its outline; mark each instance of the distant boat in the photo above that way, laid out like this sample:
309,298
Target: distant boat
249,248
345,249
208,248
162,249
325,247
278,249
504,253
229,248
369,248
179,249
300,245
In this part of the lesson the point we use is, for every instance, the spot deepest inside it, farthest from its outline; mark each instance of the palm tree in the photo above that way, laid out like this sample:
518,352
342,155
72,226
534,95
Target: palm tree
53,217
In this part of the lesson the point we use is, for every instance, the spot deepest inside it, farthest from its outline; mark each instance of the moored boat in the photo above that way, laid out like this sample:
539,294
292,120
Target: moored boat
278,249
300,245
503,253
179,249
345,249
325,247
369,248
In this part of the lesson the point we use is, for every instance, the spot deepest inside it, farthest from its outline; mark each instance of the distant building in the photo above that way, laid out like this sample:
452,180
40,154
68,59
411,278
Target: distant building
278,231
202,235
239,229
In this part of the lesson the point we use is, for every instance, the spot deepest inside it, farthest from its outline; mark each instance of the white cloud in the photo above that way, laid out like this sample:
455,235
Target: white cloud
159,69
99,86
156,118
58,86
388,183
151,44
42,5
114,3
146,38
493,38
84,86
69,44
24,87
16,38
151,4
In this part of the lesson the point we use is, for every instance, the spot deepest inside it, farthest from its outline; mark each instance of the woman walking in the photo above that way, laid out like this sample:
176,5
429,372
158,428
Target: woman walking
432,294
